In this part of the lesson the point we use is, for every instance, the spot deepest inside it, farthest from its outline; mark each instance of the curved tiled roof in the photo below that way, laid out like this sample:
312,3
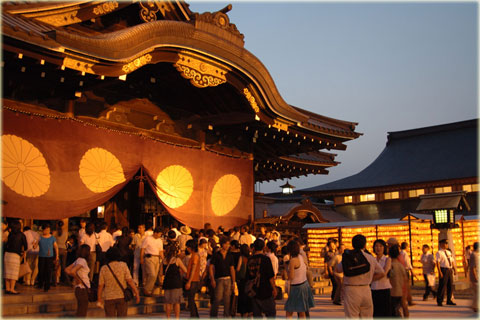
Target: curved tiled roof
435,153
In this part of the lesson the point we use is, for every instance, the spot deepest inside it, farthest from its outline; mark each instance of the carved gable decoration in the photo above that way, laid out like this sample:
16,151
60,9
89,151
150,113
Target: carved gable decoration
201,72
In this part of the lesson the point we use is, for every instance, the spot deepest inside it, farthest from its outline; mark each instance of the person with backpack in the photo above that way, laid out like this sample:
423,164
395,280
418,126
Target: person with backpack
260,284
359,269
300,297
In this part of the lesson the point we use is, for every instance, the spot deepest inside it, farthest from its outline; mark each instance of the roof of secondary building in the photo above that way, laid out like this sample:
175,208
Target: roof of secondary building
427,154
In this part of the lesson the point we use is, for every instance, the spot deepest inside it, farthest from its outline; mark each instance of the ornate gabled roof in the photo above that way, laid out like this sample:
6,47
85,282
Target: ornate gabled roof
117,50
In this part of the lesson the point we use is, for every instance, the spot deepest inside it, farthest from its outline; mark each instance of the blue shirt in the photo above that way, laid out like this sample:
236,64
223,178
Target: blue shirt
45,246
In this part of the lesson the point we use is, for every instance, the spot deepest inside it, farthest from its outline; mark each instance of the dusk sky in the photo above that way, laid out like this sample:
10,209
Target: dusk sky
388,66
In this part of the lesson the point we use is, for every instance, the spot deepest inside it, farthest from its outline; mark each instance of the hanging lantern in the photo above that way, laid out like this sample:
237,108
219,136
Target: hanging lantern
287,188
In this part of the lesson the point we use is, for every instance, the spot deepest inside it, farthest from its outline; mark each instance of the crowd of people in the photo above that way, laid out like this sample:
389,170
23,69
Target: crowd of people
383,289
237,269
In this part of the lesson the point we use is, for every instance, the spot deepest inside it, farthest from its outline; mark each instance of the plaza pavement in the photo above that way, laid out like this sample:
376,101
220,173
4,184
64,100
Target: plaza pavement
325,309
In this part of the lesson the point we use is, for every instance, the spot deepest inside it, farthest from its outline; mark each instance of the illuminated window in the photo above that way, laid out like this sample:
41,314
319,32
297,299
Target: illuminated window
470,187
367,197
443,189
392,195
348,199
416,193
441,216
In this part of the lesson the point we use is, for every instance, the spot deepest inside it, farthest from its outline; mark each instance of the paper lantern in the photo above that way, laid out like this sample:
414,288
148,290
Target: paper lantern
24,169
175,186
100,170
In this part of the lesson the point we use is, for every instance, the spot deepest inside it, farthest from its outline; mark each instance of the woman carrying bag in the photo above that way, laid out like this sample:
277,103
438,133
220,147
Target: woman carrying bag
79,270
113,279
172,282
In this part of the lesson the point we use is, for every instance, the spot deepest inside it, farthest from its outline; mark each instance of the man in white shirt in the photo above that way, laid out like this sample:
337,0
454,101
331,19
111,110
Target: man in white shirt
270,250
446,271
117,232
245,237
150,255
32,255
357,294
81,231
137,243
105,240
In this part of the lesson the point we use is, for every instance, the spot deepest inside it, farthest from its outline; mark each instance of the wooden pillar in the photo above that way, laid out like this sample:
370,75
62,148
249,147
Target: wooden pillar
465,262
339,235
70,108
410,240
376,233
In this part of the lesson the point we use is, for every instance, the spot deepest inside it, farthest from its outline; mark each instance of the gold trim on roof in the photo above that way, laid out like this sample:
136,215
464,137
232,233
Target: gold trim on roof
150,9
137,63
251,100
200,72
105,7
79,65
61,19
279,124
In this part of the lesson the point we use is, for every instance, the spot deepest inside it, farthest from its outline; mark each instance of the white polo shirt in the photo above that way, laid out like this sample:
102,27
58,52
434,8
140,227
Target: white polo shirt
152,246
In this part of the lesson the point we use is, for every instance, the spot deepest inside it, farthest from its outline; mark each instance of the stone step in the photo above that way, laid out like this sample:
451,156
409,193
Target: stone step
96,312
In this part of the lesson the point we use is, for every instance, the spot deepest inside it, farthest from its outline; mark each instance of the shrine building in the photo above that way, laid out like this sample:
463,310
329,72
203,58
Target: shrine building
130,111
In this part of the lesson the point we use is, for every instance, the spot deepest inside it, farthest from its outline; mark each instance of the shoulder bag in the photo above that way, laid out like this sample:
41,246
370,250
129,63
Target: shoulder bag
127,292
92,291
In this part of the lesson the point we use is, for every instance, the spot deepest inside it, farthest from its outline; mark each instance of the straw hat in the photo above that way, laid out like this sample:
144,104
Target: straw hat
185,230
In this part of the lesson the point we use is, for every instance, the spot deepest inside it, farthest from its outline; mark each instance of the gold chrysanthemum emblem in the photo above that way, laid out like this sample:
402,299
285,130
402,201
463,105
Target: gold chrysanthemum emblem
175,186
24,169
226,194
100,170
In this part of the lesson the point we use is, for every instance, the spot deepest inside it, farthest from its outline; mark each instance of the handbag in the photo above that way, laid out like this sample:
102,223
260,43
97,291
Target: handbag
24,269
279,293
92,291
127,292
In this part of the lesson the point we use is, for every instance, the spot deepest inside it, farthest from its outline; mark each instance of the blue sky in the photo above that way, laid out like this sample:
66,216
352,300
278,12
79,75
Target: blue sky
388,66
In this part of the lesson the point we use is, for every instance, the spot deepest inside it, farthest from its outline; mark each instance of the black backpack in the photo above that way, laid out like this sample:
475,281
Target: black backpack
354,263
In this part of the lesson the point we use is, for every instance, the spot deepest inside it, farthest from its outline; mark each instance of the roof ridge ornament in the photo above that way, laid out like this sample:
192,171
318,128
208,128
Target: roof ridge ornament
219,24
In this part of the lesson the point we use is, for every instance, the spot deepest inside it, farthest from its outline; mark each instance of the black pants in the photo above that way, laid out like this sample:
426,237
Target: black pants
266,306
82,302
45,269
428,289
192,307
334,286
445,284
381,303
396,306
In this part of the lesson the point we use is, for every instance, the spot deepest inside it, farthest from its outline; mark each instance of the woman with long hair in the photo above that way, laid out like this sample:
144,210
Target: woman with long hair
79,271
381,288
15,248
123,243
115,304
300,298
172,283
244,306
